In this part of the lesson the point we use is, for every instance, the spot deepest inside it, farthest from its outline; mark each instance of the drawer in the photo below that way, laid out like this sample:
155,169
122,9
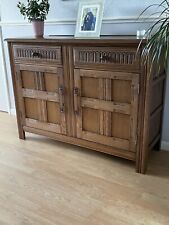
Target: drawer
37,53
115,58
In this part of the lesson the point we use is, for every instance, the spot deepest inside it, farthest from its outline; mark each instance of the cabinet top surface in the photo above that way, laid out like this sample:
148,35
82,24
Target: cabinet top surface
71,39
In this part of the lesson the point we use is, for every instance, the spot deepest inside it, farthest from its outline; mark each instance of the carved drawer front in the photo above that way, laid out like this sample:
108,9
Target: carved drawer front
105,105
106,57
41,97
37,53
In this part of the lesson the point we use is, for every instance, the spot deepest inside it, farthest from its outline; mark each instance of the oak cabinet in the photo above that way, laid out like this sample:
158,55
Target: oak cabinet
92,93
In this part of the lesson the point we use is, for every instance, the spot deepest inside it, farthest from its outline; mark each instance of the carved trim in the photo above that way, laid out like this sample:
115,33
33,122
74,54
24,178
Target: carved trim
109,56
38,53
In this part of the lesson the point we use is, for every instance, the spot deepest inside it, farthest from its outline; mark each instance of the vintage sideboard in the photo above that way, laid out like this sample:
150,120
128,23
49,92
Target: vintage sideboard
95,93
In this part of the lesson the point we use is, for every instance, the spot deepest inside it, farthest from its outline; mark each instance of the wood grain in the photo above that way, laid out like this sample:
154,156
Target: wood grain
93,93
46,182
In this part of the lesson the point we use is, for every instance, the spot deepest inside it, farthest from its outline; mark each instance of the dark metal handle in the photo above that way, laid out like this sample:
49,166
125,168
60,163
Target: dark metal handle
107,58
61,95
76,94
36,54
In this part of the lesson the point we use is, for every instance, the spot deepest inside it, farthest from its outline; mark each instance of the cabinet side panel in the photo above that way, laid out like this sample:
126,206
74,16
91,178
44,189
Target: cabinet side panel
15,82
156,110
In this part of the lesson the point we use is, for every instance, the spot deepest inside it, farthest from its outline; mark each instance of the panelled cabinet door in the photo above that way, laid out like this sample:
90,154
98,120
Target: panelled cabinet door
41,97
106,104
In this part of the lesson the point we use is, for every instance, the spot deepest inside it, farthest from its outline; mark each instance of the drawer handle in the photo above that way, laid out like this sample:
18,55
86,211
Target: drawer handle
61,96
37,55
106,58
76,95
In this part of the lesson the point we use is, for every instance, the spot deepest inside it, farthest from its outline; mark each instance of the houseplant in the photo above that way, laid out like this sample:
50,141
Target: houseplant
158,35
36,12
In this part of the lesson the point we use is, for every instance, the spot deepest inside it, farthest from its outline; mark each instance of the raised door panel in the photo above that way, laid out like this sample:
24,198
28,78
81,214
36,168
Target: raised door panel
41,97
106,105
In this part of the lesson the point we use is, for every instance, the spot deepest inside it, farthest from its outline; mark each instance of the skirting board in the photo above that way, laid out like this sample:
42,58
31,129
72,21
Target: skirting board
12,112
165,145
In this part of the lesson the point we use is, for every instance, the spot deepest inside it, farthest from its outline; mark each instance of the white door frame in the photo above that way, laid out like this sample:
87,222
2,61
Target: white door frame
4,74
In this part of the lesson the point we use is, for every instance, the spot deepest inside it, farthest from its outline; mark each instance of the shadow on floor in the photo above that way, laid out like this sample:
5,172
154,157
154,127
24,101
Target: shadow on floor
159,164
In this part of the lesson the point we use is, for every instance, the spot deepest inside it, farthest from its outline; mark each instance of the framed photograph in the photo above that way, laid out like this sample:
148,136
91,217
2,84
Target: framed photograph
89,20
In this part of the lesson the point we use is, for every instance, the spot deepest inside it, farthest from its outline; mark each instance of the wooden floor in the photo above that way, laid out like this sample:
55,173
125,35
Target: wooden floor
44,182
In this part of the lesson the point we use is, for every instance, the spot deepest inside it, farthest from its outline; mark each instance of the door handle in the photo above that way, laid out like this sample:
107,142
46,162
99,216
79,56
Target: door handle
36,55
61,96
76,96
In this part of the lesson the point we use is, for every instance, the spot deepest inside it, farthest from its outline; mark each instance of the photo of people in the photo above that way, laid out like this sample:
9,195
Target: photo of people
89,19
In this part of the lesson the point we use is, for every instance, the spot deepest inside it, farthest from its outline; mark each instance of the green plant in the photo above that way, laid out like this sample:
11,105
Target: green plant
158,35
34,9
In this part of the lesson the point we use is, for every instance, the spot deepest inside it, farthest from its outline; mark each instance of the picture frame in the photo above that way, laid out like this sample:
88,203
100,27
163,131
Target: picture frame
89,19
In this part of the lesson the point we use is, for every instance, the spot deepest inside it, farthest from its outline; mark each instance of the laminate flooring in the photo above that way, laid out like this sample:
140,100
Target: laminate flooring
45,182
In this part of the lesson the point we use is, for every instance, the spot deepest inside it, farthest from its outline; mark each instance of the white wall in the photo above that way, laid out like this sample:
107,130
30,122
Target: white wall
63,10
120,17
4,101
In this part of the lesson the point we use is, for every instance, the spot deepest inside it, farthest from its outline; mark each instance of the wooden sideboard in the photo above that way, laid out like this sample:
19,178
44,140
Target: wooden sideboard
94,93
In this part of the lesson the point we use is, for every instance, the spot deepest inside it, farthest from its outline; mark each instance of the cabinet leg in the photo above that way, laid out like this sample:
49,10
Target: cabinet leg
21,134
142,168
142,160
157,146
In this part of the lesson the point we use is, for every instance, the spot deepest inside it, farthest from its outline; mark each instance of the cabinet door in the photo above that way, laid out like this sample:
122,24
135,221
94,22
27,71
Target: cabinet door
41,97
106,105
